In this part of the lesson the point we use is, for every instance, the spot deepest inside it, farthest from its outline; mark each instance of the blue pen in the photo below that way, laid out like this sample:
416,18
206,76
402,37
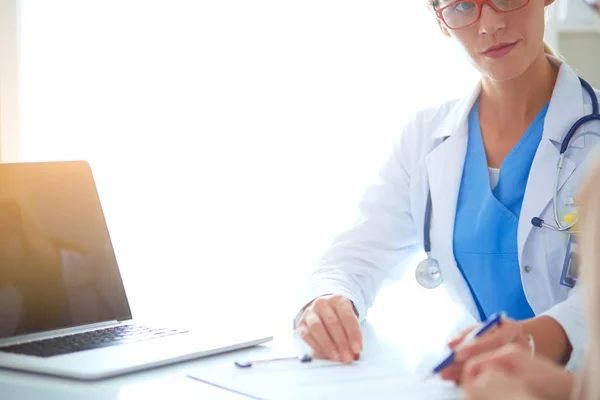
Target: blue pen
494,320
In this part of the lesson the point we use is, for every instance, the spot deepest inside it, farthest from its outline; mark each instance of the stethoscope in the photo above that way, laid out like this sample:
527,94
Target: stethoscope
428,271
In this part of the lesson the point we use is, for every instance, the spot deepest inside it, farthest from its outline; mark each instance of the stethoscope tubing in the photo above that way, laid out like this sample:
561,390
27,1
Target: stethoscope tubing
537,222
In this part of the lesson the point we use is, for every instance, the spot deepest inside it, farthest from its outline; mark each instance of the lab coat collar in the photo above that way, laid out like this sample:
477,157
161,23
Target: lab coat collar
457,121
567,104
561,112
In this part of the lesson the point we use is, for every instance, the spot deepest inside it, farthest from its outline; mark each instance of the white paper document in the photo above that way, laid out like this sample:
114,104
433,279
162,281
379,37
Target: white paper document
321,379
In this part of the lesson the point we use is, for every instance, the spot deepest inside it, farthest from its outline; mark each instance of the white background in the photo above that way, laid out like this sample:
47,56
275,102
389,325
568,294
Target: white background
230,139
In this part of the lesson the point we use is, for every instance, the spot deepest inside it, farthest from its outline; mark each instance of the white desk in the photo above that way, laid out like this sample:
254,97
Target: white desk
170,382
382,339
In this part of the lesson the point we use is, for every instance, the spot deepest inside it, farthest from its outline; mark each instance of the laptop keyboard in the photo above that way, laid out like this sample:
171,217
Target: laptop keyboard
122,334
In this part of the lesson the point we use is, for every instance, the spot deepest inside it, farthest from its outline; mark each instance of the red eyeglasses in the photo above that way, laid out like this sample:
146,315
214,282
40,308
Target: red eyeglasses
464,13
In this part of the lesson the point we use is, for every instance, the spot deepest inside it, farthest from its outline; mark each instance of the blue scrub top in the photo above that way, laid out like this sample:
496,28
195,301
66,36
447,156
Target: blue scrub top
486,224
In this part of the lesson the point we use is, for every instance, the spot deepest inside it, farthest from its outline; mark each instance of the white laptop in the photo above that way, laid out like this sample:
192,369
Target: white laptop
63,307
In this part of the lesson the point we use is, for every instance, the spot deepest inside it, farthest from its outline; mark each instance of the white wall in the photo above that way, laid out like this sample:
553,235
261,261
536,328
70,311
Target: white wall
581,49
230,139
8,81
578,38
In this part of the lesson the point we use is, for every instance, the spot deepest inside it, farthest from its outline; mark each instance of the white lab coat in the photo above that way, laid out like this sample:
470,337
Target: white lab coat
389,228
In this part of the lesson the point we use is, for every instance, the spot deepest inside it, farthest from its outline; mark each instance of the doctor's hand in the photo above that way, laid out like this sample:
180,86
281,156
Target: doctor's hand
511,372
508,332
329,325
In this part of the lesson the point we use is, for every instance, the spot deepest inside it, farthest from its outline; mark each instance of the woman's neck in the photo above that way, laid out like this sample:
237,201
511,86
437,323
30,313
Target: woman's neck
515,103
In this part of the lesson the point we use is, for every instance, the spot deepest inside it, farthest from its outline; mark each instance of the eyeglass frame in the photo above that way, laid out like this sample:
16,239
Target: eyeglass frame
480,4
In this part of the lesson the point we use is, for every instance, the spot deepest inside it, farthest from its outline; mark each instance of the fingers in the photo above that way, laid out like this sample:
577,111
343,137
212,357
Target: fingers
319,332
509,359
340,347
508,332
345,313
492,385
309,339
456,340
453,372
331,328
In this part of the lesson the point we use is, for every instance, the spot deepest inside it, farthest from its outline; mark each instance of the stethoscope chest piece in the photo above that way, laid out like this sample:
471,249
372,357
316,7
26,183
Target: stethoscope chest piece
428,274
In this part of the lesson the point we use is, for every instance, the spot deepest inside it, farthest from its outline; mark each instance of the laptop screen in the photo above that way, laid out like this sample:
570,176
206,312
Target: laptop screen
57,264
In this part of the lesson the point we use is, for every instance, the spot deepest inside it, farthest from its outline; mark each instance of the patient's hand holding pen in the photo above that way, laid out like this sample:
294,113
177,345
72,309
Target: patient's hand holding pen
494,320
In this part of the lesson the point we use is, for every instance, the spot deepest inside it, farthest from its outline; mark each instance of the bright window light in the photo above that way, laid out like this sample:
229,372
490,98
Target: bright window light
231,140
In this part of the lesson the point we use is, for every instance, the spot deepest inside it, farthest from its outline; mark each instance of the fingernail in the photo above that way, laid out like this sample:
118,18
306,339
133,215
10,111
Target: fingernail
356,348
335,356
456,338
347,357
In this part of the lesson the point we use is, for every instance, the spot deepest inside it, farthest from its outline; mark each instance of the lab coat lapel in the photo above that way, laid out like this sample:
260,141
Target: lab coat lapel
444,166
540,187
566,107
444,169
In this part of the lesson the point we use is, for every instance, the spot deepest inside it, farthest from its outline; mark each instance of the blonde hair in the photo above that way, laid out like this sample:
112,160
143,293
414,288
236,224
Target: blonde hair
549,50
589,387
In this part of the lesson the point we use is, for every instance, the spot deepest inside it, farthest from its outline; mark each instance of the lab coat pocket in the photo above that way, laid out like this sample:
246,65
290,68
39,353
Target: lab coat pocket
556,247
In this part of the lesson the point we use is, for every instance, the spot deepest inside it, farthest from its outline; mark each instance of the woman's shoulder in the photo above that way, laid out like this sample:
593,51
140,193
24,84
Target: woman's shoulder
438,112
421,132
426,122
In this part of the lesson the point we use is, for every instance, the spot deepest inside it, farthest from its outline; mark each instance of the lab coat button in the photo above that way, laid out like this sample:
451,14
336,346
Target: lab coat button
527,269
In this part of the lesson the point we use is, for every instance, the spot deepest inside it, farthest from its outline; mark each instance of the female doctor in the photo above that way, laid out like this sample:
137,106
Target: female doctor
463,183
